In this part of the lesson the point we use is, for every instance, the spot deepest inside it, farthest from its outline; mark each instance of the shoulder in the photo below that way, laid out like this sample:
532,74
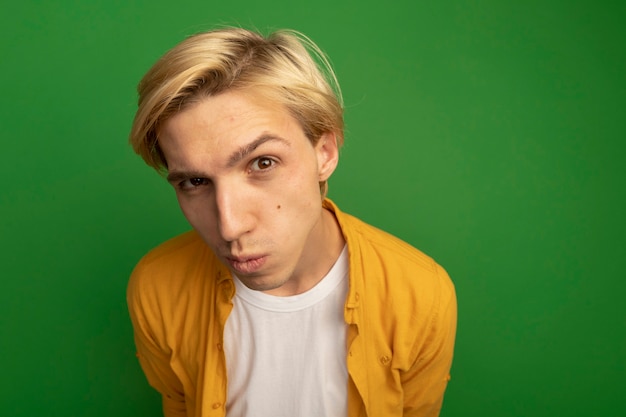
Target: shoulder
181,255
374,246
178,249
387,268
389,248
182,265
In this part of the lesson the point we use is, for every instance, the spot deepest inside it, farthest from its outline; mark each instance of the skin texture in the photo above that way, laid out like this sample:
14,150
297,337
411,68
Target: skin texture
247,179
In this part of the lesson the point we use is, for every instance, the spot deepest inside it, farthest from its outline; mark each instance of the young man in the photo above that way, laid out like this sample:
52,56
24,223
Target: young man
277,303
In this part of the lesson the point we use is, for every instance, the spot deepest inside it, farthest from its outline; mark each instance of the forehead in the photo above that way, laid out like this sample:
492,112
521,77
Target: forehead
225,122
229,110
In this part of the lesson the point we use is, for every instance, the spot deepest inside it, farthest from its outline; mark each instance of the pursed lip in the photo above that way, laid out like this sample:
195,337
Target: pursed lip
246,264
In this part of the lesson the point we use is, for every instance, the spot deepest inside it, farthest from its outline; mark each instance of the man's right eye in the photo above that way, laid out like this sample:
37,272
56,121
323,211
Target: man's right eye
192,183
197,181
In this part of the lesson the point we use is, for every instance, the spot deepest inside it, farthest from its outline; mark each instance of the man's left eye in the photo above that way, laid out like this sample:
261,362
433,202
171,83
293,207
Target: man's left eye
263,163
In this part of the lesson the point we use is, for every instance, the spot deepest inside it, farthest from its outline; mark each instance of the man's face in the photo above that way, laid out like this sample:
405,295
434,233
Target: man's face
247,179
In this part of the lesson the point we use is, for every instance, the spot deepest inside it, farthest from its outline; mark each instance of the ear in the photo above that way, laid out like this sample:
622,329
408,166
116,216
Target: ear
327,155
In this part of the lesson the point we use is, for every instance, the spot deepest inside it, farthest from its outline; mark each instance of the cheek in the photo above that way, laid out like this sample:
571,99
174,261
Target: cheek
196,213
296,199
296,194
304,178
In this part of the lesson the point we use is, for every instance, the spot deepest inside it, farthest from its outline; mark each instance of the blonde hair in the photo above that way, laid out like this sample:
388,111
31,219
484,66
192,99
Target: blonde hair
281,66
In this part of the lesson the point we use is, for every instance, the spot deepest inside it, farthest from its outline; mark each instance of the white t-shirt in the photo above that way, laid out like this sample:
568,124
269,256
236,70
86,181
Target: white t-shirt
286,356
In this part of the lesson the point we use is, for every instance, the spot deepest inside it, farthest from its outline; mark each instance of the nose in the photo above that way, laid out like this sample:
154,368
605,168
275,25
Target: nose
233,216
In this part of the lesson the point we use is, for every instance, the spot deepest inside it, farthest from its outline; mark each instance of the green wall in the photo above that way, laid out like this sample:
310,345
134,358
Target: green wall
489,134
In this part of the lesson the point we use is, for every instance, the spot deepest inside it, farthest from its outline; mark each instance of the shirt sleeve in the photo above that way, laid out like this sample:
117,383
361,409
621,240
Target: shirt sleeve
154,358
425,382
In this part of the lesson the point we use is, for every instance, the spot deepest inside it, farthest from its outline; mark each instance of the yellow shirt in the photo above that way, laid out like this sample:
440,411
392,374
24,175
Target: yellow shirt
400,311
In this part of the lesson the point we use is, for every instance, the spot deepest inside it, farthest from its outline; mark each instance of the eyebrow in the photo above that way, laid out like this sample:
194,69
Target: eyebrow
233,159
246,150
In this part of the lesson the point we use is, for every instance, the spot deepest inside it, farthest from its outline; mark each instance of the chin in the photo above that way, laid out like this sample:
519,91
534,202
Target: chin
273,288
258,285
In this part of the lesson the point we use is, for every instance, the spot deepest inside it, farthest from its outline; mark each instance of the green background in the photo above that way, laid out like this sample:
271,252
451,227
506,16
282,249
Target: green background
489,134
